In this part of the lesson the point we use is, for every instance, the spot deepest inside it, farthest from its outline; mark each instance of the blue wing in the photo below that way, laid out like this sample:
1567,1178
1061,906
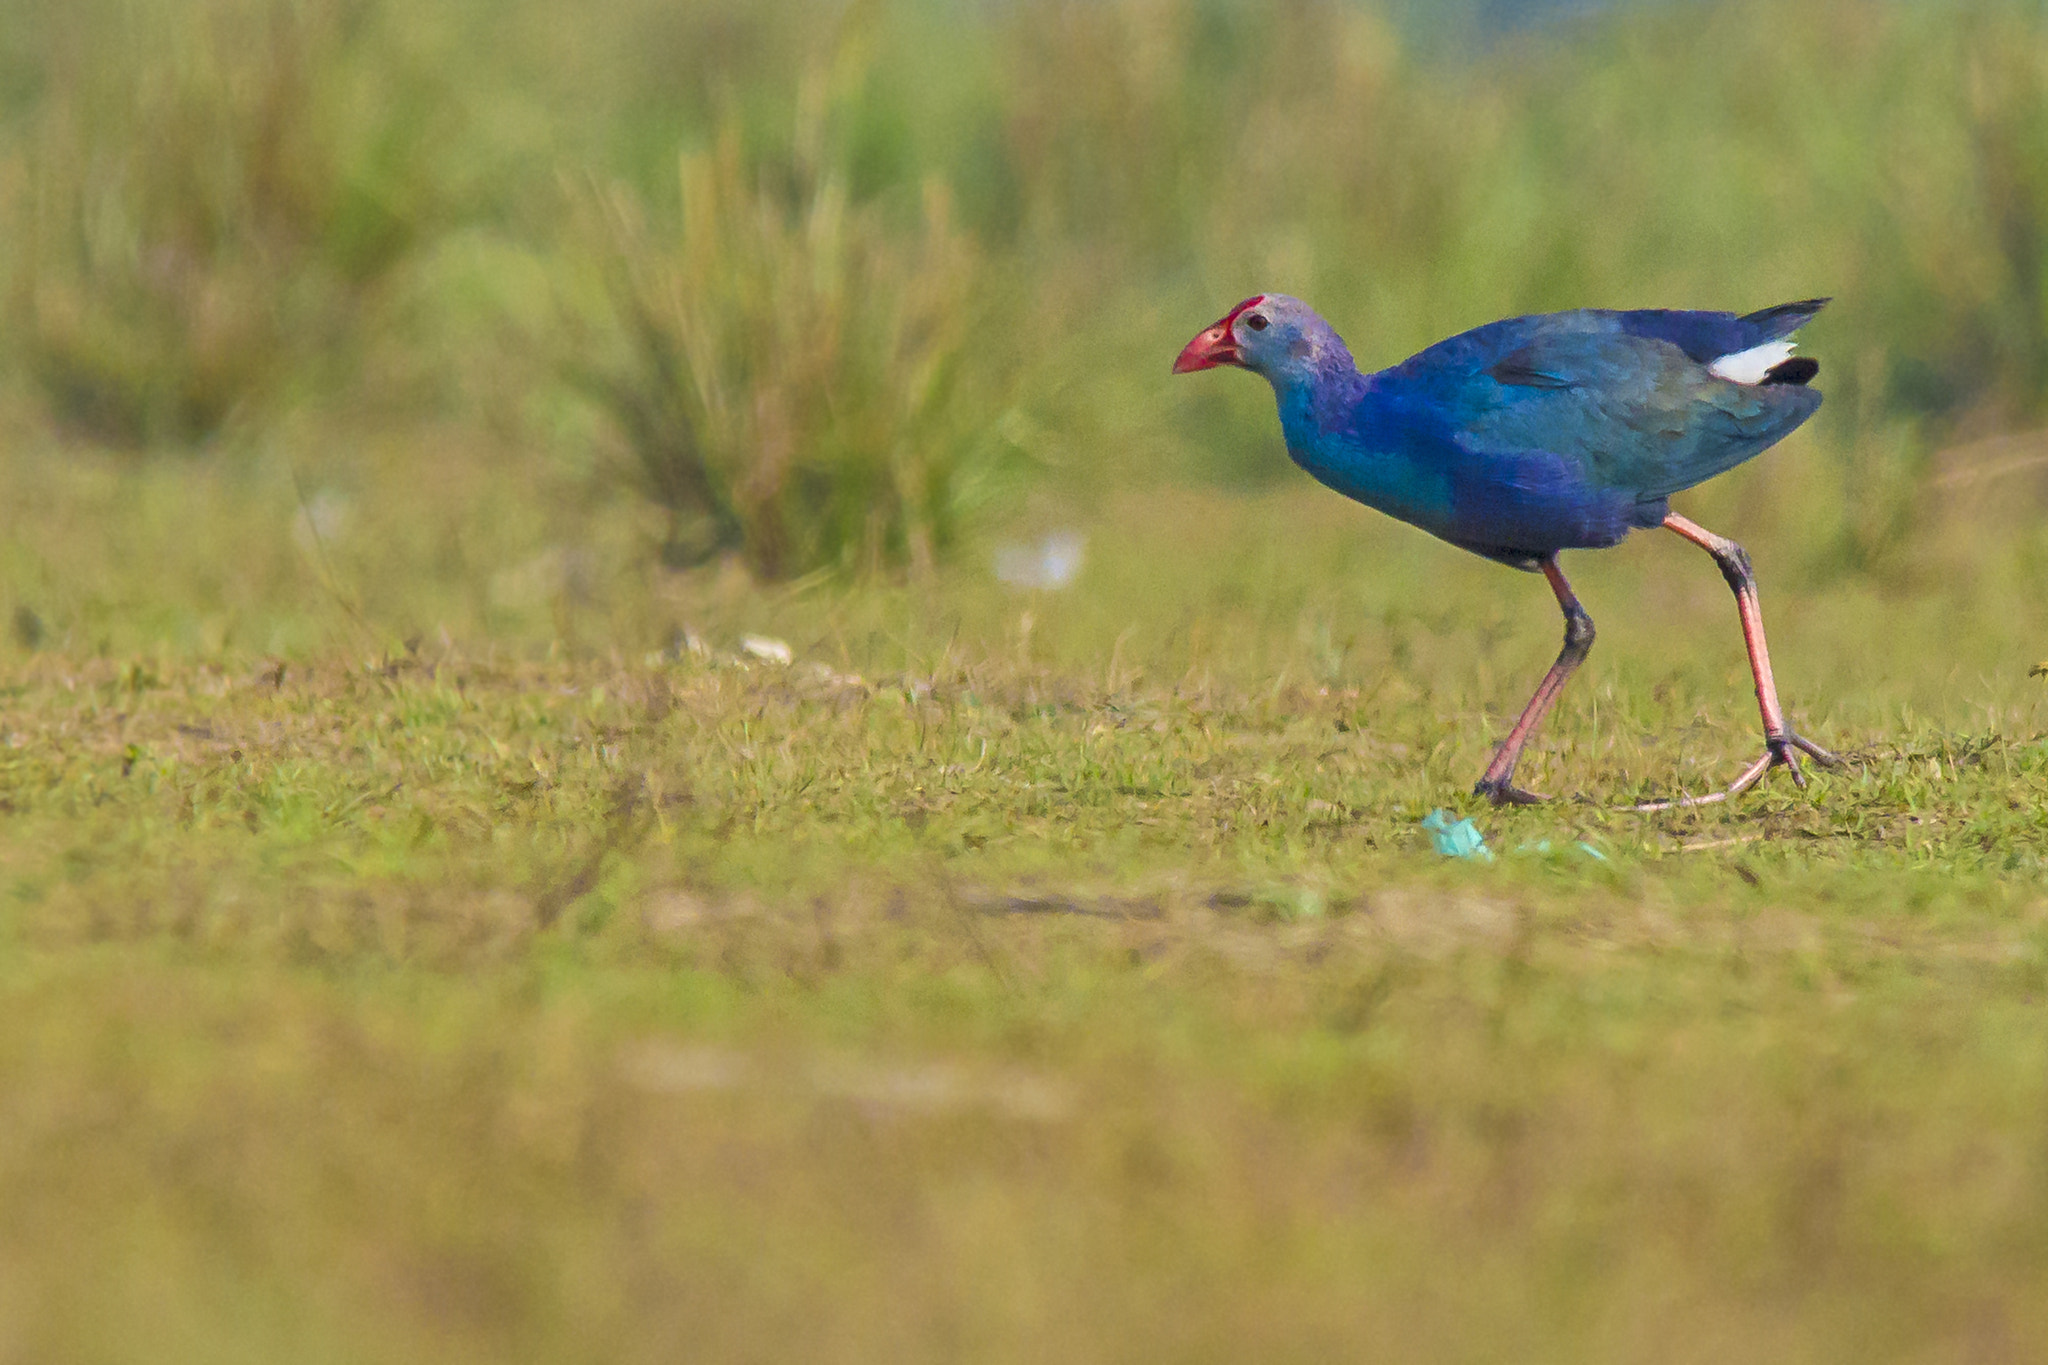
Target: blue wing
1569,429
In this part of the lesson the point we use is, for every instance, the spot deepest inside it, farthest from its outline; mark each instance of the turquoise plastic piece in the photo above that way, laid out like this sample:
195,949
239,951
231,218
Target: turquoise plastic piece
1460,839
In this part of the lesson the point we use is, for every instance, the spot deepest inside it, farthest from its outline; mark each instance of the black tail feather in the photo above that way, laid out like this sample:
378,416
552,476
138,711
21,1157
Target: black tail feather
1784,319
1798,370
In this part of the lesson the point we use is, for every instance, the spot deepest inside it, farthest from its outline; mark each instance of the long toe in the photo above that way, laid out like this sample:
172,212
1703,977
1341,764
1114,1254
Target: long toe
1783,752
1676,803
1814,751
1748,779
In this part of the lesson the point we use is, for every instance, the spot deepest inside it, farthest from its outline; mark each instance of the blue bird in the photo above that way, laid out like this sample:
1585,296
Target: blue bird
1534,435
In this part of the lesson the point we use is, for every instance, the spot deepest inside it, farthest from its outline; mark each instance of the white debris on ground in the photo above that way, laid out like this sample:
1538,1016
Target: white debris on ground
1050,563
754,650
766,648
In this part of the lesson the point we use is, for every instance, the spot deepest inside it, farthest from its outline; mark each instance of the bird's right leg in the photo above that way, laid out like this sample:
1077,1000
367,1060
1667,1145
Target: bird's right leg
1782,744
1498,785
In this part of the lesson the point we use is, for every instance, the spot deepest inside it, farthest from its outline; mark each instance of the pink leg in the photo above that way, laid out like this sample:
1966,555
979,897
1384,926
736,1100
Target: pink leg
1498,784
1782,747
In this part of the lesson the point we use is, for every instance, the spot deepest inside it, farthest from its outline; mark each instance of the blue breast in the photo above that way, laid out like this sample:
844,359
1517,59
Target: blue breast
1391,449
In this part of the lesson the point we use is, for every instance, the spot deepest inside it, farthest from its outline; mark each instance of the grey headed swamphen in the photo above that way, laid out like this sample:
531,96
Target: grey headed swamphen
1534,435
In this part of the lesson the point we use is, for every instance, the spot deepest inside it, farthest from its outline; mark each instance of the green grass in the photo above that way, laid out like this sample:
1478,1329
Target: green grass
427,932
1012,975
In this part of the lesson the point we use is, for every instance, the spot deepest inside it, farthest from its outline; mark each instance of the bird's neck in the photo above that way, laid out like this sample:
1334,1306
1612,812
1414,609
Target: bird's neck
1319,397
1346,433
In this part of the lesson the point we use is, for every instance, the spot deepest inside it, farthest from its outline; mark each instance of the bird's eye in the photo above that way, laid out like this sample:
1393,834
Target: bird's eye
1255,321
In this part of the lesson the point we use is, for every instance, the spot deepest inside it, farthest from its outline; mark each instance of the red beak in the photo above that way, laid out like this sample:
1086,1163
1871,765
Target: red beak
1215,345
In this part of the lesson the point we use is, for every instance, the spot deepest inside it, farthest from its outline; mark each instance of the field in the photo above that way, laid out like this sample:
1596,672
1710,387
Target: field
538,823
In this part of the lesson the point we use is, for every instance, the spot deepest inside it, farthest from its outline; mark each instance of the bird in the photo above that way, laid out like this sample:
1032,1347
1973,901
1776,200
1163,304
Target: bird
1530,436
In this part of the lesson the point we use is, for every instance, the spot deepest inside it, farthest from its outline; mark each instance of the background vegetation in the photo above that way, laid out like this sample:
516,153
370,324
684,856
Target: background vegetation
533,829
824,285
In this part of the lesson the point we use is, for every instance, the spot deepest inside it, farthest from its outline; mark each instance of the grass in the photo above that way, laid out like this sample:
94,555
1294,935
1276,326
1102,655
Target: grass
1020,974
789,387
430,930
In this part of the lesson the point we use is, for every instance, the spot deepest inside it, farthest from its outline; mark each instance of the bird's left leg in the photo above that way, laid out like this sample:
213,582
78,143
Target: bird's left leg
1782,746
1498,784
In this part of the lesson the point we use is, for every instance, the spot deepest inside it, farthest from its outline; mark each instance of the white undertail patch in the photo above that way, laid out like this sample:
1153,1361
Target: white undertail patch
1750,366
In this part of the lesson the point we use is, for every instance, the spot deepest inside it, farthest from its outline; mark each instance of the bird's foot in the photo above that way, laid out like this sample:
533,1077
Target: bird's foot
1780,751
1503,792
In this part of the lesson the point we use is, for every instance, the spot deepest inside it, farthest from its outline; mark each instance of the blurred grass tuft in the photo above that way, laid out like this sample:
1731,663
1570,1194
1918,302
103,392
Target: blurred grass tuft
204,202
785,362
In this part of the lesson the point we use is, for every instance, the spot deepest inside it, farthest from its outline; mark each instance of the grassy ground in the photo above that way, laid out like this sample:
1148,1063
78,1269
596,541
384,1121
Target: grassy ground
429,930
1018,976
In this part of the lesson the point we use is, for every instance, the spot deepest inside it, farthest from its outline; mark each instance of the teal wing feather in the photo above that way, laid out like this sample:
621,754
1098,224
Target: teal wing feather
1637,414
